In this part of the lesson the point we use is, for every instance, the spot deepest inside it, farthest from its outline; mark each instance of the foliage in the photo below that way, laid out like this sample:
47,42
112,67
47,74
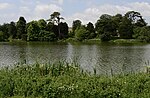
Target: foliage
81,33
66,80
104,26
55,18
136,18
105,36
42,24
126,29
63,30
21,27
4,29
76,24
117,19
142,33
33,31
49,27
46,36
1,36
91,30
12,30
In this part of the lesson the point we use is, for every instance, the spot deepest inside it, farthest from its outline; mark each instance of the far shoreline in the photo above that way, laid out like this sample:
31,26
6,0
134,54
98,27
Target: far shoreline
95,40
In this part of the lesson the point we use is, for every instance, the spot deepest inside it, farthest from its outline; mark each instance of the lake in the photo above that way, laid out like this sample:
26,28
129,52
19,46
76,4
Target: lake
106,58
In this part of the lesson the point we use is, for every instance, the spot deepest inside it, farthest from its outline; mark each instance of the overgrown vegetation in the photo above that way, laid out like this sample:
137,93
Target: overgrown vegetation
63,80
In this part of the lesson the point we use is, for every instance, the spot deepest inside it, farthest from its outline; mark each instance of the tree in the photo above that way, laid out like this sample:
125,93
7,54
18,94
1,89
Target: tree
12,30
81,33
136,18
46,36
49,27
63,30
33,31
117,19
126,28
142,33
91,30
21,27
4,29
55,18
2,36
76,24
42,24
52,28
105,25
105,36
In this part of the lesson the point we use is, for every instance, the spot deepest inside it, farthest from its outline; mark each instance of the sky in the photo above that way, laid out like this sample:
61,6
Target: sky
84,10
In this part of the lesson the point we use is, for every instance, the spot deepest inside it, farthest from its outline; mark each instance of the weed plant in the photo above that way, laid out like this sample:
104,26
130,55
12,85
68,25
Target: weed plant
64,80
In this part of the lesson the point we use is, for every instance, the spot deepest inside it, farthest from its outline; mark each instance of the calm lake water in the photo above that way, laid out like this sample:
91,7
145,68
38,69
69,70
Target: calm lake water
105,57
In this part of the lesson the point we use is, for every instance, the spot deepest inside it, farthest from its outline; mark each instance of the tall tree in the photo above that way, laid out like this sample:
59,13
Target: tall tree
55,18
126,28
91,30
21,27
4,29
52,28
81,33
117,19
105,27
42,24
33,31
136,18
12,30
63,30
76,24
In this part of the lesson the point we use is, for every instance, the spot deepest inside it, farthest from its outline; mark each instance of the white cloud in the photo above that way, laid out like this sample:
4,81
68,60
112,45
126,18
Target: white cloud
43,10
27,2
142,7
25,10
47,8
93,13
5,6
39,11
58,1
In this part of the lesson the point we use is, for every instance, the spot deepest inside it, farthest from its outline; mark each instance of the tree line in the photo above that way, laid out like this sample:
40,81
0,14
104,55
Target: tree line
128,26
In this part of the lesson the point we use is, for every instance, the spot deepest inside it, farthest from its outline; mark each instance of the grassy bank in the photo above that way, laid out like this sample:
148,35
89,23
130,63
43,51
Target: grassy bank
115,41
63,80
126,41
96,40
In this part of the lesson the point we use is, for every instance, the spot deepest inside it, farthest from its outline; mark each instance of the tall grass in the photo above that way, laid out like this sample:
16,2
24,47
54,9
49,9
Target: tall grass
64,80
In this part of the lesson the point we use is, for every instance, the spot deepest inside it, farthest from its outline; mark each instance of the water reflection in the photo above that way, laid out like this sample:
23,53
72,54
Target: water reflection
105,58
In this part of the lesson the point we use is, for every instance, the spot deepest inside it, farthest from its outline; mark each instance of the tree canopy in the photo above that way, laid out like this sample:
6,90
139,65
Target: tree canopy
132,25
